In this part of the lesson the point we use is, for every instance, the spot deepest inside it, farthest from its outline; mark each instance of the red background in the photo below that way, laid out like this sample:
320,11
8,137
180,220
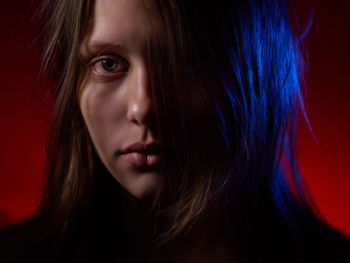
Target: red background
324,163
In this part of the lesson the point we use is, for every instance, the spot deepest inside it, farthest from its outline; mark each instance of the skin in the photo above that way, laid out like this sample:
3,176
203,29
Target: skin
117,108
115,99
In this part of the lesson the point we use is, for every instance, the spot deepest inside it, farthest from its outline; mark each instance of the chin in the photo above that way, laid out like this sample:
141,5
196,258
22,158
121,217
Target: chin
142,186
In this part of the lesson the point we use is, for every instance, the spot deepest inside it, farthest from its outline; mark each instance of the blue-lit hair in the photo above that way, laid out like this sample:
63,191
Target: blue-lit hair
229,76
261,78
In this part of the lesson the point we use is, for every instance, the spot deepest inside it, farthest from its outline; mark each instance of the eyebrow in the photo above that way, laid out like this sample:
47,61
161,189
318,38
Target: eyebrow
96,48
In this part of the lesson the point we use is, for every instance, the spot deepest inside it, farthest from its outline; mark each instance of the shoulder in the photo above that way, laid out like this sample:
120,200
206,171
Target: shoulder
341,249
301,236
30,242
23,242
320,242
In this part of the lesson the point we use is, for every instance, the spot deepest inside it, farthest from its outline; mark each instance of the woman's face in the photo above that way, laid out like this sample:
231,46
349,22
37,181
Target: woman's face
115,100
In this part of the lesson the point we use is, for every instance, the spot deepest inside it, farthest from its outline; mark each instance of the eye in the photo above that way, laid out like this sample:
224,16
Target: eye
109,65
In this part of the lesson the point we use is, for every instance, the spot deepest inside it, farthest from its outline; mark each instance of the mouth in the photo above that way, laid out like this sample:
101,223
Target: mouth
143,155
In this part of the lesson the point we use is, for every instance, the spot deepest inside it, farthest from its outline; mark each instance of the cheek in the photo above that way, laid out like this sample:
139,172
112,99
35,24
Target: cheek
103,113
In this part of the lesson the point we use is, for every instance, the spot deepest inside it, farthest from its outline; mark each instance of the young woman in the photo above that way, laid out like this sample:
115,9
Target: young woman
173,137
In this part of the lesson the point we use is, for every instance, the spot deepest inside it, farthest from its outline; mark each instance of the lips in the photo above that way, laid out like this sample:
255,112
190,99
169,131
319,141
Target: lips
142,155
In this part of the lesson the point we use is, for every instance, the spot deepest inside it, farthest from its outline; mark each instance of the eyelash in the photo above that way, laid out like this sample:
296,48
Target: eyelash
120,62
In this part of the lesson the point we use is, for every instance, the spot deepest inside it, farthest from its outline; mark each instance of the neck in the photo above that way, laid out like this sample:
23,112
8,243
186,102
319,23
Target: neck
207,241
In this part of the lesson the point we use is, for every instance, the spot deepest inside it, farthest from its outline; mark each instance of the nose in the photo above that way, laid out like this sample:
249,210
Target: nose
139,98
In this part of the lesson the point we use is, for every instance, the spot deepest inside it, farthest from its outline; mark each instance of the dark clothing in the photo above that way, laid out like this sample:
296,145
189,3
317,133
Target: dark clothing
262,234
97,243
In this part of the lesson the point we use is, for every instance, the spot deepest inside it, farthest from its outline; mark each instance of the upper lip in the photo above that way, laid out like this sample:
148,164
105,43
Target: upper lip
143,148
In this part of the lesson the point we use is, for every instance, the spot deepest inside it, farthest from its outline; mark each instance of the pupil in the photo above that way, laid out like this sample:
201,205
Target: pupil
109,64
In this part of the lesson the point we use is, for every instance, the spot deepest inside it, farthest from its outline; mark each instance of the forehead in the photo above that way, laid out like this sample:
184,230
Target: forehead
119,22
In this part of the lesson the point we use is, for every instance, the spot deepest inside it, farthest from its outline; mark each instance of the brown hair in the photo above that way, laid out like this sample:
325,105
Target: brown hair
71,166
68,164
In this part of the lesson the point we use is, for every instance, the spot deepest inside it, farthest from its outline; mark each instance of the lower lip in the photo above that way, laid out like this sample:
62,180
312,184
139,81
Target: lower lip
142,159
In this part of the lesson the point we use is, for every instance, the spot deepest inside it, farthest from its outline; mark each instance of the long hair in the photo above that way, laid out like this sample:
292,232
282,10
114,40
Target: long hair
225,81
